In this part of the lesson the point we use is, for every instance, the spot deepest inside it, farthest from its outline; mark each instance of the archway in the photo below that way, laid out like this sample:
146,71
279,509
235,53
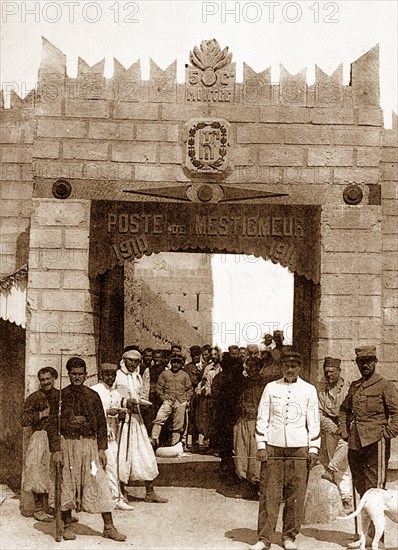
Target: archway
124,231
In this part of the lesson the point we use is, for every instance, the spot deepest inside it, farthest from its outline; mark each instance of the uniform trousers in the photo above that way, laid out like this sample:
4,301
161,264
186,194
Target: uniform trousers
333,456
369,465
283,475
177,412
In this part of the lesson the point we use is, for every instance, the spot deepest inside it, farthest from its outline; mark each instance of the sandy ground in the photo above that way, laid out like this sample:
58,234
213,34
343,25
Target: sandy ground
202,513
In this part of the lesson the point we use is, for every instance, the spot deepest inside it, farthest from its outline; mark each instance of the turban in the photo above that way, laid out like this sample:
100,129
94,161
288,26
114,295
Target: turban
131,354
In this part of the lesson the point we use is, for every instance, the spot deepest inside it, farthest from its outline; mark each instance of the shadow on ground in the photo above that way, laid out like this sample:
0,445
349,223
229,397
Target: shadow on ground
249,536
327,535
78,529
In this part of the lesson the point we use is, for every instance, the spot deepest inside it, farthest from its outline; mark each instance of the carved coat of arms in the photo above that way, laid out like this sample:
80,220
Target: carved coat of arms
207,146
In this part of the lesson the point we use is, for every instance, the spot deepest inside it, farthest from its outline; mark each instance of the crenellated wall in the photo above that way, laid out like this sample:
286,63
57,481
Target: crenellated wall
16,181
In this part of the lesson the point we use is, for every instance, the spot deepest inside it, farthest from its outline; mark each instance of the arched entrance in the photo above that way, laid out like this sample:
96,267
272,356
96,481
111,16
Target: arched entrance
123,231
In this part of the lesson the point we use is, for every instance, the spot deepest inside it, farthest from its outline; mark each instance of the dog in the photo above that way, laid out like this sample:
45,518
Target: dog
373,506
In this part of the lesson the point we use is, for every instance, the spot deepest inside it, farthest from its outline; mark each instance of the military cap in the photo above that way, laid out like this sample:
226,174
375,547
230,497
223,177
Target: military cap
108,366
288,352
195,350
75,362
331,362
278,332
177,358
365,351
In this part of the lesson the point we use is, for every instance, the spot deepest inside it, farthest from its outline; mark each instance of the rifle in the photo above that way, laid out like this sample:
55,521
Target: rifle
58,467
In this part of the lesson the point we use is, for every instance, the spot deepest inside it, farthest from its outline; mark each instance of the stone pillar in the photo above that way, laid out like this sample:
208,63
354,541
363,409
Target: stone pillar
62,305
351,283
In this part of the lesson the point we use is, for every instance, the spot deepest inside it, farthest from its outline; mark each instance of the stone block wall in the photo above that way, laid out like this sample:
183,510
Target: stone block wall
150,320
389,201
62,307
184,283
16,183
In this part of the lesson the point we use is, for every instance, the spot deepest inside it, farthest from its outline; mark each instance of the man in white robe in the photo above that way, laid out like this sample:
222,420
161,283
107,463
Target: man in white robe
136,460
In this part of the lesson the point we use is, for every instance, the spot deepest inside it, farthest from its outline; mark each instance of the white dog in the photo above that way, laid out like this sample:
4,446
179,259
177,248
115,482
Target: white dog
373,505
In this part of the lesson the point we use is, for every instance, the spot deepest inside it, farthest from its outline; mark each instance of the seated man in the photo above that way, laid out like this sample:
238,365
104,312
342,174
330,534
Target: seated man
175,390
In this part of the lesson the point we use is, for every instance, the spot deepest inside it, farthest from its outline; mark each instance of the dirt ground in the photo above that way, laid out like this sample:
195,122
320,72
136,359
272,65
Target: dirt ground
203,512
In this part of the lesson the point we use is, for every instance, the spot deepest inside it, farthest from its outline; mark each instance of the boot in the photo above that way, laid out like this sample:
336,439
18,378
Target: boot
151,496
40,513
110,531
67,533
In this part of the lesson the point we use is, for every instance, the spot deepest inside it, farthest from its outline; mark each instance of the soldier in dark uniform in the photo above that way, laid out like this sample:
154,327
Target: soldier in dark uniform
368,419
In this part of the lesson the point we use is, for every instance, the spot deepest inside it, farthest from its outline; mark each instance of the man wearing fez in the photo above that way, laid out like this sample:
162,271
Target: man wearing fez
136,459
288,441
368,419
40,413
333,453
111,399
81,451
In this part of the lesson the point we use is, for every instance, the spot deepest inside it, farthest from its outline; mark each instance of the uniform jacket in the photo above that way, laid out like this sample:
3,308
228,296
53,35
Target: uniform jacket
174,386
330,400
369,411
195,373
288,416
81,401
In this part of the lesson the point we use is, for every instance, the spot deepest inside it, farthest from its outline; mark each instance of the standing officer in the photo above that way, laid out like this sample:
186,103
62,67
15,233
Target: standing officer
288,441
368,419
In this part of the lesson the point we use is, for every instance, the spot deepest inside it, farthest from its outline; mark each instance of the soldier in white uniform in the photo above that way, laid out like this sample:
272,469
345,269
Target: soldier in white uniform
288,441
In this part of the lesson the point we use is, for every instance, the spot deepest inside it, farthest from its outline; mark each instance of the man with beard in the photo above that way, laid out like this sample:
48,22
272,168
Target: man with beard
81,451
368,420
40,413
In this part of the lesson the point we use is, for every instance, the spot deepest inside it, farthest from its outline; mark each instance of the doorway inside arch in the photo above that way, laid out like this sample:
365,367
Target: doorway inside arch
204,298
